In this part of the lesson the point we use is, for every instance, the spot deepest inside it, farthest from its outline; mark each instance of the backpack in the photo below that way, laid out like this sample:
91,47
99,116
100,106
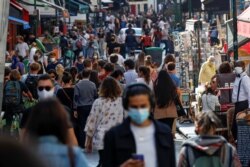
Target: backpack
31,83
196,158
79,44
12,93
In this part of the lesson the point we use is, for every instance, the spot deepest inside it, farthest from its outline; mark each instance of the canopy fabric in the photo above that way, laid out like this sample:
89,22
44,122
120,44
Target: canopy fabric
245,16
244,23
24,23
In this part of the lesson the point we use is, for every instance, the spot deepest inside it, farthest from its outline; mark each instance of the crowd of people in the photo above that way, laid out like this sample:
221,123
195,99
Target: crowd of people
102,97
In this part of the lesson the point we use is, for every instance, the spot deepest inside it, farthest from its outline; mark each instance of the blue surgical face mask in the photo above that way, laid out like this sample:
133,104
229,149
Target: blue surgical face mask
138,116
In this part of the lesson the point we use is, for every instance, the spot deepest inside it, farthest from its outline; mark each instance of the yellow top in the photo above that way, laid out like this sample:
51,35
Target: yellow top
207,71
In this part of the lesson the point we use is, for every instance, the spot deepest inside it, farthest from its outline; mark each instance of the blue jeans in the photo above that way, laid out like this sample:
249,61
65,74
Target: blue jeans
157,43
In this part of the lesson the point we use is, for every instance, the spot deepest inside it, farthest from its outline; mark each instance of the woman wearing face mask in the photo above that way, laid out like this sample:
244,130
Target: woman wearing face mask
139,141
111,45
241,92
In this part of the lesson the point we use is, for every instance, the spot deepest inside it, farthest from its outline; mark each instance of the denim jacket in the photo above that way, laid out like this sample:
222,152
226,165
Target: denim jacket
55,154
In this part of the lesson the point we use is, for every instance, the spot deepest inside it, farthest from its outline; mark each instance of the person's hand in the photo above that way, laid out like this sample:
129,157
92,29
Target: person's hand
75,114
133,163
88,145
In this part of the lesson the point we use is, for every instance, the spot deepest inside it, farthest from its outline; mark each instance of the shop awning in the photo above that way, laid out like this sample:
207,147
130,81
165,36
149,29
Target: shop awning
19,21
244,23
24,13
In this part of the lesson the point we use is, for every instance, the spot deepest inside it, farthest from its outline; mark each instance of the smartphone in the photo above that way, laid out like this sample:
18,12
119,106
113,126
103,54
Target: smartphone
138,157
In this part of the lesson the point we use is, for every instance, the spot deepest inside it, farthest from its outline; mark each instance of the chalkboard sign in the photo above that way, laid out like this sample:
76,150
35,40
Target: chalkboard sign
244,142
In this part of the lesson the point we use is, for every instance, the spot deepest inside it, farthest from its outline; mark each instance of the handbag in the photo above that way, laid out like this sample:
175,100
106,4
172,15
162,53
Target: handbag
180,110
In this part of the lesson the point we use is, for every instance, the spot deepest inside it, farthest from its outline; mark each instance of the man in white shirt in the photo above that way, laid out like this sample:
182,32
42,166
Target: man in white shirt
22,47
130,76
241,93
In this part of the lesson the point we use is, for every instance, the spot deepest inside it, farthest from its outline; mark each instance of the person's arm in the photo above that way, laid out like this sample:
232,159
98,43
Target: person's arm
182,158
90,127
71,137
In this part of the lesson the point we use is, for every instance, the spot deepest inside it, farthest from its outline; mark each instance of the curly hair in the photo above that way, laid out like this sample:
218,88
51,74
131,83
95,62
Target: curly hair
110,89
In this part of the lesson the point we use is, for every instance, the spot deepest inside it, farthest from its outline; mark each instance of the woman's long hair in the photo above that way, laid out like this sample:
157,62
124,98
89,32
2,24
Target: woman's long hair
48,118
146,73
165,90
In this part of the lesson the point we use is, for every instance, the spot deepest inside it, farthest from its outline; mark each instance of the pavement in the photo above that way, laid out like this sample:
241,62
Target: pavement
186,128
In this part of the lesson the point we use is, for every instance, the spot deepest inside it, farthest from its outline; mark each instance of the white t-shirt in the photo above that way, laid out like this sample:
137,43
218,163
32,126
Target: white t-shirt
32,53
142,80
22,49
145,143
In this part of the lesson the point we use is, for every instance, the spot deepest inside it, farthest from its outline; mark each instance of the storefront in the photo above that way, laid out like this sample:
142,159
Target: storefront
18,23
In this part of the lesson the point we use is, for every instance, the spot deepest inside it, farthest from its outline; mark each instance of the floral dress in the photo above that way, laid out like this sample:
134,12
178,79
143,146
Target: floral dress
105,114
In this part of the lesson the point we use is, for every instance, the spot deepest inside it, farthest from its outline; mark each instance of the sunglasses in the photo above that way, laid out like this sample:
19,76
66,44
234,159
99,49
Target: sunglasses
47,88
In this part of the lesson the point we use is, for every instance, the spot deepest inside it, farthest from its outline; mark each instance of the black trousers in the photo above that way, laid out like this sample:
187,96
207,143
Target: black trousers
100,152
239,106
83,113
167,121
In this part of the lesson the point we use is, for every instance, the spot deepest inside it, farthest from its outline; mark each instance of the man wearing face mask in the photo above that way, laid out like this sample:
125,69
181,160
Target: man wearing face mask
207,71
111,45
241,92
45,90
139,141
53,62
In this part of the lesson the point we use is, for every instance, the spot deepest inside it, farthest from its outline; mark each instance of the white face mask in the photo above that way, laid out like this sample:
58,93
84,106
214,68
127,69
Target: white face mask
238,70
45,94
53,59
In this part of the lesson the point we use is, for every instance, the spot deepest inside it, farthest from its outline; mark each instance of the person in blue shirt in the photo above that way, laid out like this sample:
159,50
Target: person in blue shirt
172,73
48,126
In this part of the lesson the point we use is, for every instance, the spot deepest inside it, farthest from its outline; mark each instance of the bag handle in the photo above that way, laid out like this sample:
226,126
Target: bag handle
71,156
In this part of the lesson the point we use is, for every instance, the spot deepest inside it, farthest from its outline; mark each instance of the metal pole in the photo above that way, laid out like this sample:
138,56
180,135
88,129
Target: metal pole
190,8
36,18
4,8
235,31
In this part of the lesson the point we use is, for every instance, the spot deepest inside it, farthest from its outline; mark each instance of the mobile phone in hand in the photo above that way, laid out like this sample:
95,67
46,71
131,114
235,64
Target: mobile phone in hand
138,157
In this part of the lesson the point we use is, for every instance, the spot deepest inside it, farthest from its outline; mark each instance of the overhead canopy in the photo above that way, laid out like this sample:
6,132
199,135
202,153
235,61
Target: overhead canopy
19,21
195,5
218,6
244,23
241,39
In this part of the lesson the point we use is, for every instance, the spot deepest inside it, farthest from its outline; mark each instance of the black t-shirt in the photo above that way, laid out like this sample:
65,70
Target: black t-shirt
66,96
112,46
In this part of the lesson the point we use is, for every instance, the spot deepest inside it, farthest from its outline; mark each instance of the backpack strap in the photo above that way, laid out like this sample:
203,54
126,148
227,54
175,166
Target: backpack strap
190,156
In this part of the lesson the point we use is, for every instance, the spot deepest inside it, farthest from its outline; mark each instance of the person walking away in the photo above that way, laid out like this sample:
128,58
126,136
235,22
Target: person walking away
120,57
208,149
36,60
130,75
144,77
45,90
20,65
121,40
172,73
146,41
157,36
31,79
32,52
140,61
22,47
47,127
119,77
13,98
79,63
101,41
165,37
130,42
209,100
207,70
241,93
114,60
108,69
214,35
85,93
165,110
139,140
107,112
